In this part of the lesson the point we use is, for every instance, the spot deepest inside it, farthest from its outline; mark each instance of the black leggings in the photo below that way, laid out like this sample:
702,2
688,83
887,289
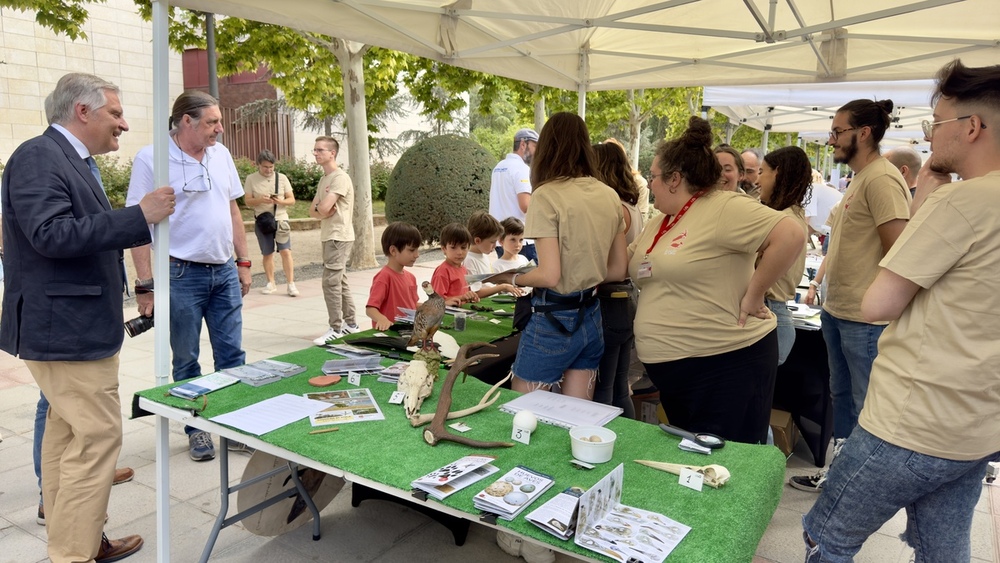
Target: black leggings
727,394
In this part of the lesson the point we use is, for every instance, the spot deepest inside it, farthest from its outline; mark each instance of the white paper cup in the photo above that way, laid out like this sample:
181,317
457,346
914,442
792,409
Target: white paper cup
589,451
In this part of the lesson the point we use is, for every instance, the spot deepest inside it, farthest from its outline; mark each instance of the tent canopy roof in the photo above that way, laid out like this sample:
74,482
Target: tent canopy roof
622,44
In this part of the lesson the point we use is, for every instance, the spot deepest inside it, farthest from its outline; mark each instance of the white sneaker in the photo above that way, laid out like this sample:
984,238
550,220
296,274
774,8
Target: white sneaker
530,551
330,334
349,329
292,290
269,289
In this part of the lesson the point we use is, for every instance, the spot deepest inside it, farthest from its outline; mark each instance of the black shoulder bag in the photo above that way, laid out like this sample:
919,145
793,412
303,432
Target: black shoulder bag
266,222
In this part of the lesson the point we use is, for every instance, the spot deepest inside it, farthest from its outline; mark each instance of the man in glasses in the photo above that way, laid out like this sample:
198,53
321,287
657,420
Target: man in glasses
62,305
206,233
873,212
928,428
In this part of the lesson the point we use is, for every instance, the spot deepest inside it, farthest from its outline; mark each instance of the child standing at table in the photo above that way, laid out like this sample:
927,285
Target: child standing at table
512,242
448,280
485,231
393,287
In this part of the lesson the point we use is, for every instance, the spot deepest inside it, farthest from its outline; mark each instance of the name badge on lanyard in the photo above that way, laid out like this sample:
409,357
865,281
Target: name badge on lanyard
646,267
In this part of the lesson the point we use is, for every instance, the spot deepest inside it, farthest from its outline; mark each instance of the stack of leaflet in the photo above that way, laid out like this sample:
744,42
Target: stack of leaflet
804,316
455,476
513,492
391,374
369,364
251,375
281,369
349,351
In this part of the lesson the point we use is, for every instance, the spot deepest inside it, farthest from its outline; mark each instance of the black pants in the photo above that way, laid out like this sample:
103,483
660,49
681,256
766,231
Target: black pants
618,314
727,394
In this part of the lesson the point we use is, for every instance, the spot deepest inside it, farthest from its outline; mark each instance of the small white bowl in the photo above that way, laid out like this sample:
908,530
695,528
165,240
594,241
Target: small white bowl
592,451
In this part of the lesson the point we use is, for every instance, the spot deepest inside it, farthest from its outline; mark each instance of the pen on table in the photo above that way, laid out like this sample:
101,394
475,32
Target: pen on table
324,430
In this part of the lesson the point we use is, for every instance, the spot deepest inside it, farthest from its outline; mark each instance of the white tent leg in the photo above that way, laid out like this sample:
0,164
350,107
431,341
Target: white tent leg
161,271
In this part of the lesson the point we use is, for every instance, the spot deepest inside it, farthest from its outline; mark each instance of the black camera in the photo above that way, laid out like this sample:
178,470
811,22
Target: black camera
138,326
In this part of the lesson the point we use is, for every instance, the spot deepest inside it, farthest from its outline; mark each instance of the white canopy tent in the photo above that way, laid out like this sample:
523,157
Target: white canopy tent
809,108
588,45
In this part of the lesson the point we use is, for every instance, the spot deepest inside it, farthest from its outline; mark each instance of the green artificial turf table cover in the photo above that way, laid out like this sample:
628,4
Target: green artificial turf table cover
727,524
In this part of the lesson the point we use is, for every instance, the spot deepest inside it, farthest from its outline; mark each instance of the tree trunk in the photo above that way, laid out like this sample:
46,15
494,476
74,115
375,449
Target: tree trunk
350,55
539,108
634,130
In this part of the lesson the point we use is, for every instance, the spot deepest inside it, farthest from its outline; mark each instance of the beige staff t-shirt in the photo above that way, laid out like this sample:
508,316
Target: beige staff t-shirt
259,186
701,269
340,225
784,288
935,385
876,196
585,215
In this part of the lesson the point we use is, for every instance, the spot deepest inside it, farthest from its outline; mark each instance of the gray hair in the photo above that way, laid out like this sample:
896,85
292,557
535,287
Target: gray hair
76,88
191,102
266,156
756,152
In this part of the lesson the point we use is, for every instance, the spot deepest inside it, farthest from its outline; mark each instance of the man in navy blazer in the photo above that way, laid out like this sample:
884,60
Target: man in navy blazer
62,306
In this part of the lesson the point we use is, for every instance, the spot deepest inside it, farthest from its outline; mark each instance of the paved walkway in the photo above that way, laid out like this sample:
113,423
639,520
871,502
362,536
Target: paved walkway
375,531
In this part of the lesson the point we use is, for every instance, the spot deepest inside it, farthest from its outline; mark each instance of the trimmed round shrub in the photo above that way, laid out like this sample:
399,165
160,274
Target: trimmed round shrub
437,181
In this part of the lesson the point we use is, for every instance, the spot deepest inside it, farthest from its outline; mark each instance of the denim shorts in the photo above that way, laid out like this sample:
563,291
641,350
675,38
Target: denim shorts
544,352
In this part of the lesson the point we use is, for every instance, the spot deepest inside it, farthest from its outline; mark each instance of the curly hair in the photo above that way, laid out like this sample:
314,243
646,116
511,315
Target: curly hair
792,178
691,155
614,170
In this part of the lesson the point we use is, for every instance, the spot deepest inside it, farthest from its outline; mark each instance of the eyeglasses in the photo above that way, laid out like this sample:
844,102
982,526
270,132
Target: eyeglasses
928,126
835,133
206,178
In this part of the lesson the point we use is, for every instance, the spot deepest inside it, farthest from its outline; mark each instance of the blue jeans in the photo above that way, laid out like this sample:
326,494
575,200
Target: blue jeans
545,352
851,347
210,292
786,329
36,451
872,479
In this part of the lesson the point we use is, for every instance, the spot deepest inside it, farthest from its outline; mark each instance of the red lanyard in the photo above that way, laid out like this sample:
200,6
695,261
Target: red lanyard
665,226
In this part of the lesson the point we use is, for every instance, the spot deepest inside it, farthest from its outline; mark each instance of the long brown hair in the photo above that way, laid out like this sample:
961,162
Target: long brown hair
614,170
563,151
792,177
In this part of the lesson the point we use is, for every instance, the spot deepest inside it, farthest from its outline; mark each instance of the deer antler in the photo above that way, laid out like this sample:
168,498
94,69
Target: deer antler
488,399
437,431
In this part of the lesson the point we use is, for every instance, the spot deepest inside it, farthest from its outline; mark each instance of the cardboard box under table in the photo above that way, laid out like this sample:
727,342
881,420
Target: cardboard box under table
727,524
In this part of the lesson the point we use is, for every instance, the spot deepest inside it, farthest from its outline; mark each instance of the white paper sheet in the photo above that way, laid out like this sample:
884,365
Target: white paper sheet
271,414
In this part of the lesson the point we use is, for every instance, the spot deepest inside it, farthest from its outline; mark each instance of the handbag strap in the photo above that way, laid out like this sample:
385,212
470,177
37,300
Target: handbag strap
275,191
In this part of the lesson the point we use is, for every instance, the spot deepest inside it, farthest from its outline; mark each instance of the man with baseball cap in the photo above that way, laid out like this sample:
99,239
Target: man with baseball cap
510,187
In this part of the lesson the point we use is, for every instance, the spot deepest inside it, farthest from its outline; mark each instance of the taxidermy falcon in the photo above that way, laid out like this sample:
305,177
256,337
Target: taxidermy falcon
427,319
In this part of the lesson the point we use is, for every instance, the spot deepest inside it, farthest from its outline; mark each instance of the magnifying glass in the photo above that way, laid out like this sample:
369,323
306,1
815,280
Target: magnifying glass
703,439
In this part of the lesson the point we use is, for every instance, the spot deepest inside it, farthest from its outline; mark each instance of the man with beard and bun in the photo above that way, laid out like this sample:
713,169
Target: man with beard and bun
928,428
873,212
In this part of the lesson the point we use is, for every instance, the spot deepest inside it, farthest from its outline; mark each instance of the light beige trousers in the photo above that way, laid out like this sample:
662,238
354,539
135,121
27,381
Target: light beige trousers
83,435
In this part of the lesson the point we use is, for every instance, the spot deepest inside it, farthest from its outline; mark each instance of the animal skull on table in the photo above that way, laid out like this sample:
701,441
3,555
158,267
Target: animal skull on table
417,382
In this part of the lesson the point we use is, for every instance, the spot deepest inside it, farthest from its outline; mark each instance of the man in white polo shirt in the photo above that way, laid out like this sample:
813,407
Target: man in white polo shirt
510,186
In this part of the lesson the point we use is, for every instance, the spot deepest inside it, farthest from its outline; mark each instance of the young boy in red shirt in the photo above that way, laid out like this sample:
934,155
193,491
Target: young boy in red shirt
448,280
393,286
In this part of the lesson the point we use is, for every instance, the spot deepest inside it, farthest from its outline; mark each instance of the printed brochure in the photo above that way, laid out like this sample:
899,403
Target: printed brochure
451,478
513,492
348,405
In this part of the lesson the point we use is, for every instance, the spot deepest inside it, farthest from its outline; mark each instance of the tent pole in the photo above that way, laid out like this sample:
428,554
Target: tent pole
161,270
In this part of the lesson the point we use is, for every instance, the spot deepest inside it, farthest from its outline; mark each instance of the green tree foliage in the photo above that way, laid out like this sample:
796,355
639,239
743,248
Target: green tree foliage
115,175
438,181
380,179
65,17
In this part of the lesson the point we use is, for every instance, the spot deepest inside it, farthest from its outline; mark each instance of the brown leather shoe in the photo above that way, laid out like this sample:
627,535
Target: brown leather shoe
116,550
123,475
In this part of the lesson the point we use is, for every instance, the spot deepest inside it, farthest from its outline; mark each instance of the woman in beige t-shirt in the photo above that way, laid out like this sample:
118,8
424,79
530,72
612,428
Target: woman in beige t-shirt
785,186
703,331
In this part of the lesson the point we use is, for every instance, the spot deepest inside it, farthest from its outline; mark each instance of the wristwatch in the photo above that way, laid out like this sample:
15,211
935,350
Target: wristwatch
144,286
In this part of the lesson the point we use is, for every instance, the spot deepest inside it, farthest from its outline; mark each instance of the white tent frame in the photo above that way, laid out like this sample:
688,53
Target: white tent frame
589,45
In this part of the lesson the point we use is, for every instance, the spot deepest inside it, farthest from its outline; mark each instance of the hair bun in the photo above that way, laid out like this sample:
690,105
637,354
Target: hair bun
698,133
886,106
